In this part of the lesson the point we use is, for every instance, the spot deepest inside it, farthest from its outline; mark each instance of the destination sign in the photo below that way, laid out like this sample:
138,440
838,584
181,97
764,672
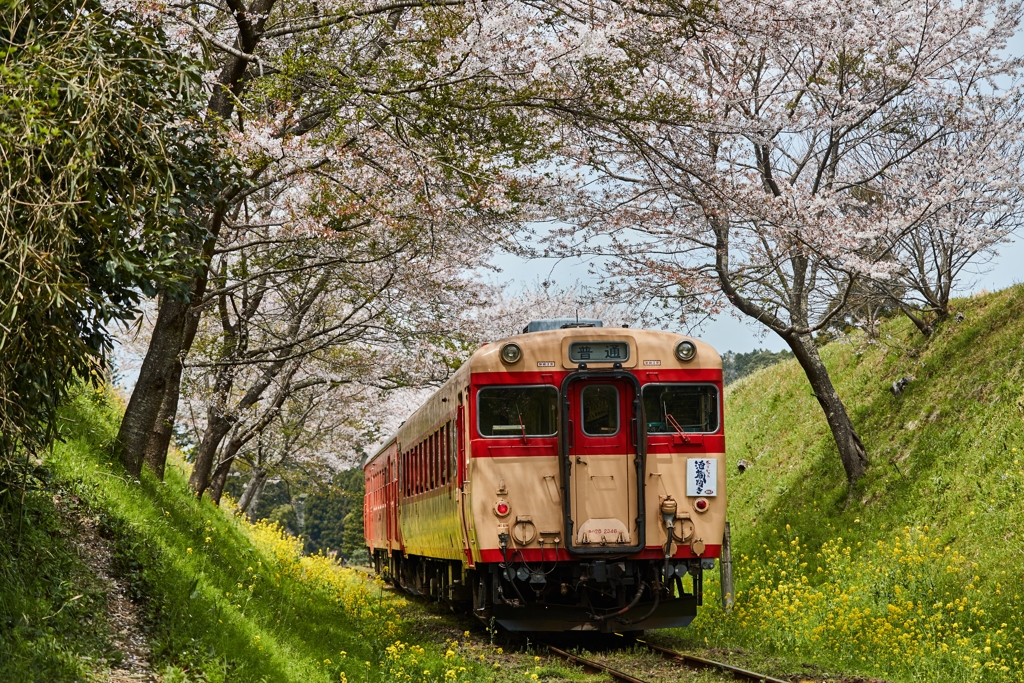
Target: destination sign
598,352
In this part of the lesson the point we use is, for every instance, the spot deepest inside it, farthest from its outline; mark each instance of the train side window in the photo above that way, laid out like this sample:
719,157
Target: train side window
436,459
517,411
674,408
432,447
452,452
600,405
442,454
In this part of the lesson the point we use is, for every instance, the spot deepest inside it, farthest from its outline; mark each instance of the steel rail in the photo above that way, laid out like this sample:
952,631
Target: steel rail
683,658
594,667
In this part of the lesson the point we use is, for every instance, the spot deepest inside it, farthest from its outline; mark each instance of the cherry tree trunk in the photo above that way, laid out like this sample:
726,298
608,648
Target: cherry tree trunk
155,454
919,322
851,449
251,495
217,428
160,369
220,474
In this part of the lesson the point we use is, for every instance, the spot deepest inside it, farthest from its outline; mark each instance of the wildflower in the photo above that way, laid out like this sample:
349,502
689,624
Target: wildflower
188,551
466,634
208,540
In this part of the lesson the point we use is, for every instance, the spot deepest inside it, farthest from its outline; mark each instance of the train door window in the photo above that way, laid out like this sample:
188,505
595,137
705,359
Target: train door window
674,408
600,406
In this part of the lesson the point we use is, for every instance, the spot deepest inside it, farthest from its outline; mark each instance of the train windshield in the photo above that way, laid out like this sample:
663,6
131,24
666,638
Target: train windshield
674,408
518,411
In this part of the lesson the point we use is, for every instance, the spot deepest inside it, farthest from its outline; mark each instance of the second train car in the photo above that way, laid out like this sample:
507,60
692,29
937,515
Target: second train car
569,478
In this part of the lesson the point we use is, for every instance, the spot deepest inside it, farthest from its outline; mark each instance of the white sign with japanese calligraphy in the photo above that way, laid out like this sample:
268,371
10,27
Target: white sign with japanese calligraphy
701,477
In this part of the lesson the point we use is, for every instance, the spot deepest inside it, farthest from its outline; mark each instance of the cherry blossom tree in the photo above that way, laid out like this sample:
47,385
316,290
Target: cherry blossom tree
291,315
351,114
770,158
978,207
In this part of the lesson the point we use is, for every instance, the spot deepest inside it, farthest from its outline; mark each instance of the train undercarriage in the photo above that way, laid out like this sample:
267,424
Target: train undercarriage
607,595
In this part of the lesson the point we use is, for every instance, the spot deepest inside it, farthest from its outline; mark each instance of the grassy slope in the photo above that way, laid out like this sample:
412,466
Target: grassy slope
927,546
222,600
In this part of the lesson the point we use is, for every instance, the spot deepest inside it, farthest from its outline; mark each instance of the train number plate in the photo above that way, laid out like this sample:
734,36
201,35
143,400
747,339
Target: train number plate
701,477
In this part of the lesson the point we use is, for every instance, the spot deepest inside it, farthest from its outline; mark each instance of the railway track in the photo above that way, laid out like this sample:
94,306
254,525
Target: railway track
671,655
680,658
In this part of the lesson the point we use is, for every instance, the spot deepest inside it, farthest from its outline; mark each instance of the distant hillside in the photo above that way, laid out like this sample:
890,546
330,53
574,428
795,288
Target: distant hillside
738,365
916,574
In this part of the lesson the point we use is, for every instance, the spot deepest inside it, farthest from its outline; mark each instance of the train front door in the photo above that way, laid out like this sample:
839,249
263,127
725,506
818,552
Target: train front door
601,454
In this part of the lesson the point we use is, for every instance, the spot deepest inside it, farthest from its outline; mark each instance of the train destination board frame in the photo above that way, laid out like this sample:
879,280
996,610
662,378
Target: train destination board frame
598,352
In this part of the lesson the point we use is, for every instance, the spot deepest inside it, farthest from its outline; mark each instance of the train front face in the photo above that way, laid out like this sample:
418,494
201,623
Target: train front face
597,469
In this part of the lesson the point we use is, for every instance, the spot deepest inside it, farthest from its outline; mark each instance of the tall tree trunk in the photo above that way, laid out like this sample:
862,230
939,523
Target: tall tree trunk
217,428
251,495
157,373
155,454
220,475
851,449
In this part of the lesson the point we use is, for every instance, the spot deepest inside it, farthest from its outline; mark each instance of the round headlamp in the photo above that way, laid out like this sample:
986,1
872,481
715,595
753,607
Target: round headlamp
685,350
511,353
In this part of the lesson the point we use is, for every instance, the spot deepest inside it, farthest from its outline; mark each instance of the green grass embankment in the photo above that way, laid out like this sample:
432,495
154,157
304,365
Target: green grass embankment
917,573
218,599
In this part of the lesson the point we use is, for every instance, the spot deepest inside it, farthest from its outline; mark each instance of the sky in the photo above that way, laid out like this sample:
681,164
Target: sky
728,332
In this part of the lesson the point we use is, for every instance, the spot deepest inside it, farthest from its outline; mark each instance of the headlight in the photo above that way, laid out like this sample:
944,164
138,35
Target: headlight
685,350
511,353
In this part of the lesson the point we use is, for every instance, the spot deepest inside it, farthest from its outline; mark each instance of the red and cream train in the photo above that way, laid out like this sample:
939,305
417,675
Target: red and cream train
569,478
